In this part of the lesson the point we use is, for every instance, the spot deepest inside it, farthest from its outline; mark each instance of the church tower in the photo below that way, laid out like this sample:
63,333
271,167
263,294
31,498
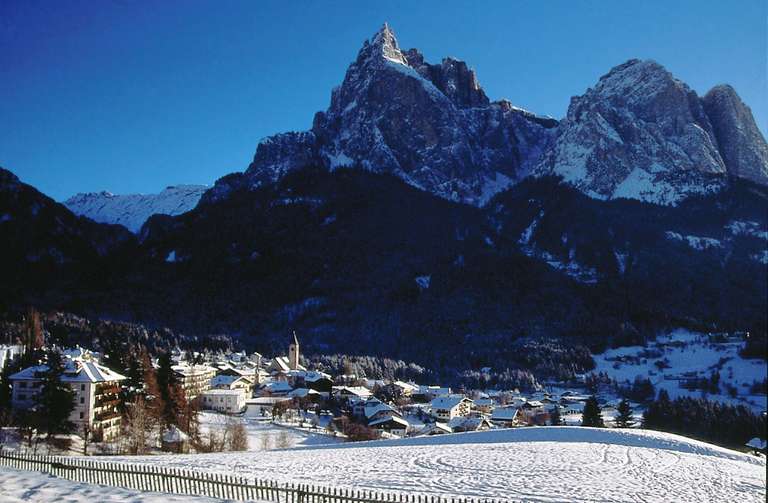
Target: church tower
293,353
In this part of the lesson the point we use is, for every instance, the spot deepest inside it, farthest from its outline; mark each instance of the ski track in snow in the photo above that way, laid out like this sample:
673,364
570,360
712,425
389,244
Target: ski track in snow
529,464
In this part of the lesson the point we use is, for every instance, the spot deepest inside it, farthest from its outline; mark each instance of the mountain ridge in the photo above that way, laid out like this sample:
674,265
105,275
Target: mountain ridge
132,210
638,133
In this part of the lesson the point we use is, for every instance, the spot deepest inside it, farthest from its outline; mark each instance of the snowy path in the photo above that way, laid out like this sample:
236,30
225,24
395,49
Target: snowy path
17,486
531,464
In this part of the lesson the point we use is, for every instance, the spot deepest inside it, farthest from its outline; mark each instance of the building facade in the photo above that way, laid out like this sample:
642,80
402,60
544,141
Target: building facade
96,392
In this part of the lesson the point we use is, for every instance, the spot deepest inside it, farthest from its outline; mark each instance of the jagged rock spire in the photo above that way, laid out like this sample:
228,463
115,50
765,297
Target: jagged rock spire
382,47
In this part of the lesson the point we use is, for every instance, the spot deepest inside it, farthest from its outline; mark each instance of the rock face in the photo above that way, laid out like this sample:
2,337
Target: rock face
430,125
131,211
742,147
639,133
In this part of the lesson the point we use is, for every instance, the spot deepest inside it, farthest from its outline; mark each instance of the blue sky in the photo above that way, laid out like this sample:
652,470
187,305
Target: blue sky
132,96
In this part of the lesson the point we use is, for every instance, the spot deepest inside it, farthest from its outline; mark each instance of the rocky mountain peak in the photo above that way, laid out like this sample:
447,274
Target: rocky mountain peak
384,44
742,145
429,124
639,133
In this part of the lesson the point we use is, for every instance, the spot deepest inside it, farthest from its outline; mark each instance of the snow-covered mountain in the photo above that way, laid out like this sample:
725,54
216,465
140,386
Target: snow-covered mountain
132,210
430,125
639,133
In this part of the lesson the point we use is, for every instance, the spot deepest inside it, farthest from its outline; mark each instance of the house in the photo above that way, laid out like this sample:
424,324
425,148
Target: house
429,393
507,416
484,405
275,388
436,428
232,382
231,401
96,392
373,409
318,381
350,393
407,389
447,407
391,424
461,424
193,379
305,393
533,412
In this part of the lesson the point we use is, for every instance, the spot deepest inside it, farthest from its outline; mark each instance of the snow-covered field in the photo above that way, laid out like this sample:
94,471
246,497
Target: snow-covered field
531,464
688,353
264,435
18,485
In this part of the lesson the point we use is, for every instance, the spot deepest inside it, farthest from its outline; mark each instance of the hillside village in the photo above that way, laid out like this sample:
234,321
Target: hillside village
282,388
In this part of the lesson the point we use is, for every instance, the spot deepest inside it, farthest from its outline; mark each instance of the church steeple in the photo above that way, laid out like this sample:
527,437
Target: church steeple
293,353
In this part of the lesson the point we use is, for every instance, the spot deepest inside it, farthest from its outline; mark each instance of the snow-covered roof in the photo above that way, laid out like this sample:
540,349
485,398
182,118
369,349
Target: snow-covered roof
448,402
756,443
484,402
467,423
386,419
74,371
504,414
373,406
406,386
302,392
352,390
436,428
186,369
309,375
434,390
278,386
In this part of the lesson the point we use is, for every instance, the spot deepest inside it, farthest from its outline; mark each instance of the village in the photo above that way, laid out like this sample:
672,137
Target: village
282,391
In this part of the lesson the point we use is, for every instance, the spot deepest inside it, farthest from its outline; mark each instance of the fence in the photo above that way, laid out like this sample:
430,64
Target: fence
189,482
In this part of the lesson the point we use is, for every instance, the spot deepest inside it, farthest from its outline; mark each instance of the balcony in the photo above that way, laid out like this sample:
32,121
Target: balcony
106,415
108,389
106,401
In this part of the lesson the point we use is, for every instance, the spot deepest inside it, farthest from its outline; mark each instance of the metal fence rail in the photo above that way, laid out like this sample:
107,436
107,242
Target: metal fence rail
213,485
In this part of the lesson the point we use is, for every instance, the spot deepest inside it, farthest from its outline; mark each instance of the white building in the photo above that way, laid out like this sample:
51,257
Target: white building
194,379
445,408
231,401
96,392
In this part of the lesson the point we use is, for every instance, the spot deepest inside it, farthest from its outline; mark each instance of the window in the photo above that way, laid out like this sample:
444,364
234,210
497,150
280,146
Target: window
81,415
22,384
22,396
82,399
82,387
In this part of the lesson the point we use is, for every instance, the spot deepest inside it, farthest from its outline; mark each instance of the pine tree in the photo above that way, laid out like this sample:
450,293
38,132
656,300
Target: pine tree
624,418
56,401
592,415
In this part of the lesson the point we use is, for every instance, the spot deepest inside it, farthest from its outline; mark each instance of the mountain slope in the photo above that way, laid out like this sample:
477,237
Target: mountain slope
132,210
47,249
